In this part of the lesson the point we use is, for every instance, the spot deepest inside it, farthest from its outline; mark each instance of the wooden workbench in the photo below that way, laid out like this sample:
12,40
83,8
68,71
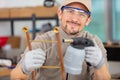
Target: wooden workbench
4,71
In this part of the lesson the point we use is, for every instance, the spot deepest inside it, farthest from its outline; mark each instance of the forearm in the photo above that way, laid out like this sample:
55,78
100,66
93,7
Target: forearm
102,73
17,74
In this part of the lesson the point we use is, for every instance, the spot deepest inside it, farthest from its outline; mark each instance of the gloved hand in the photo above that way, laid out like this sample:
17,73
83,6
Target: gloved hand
33,59
73,60
94,56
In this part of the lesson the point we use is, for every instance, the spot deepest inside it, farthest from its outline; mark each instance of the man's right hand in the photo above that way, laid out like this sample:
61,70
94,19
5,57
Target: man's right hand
33,59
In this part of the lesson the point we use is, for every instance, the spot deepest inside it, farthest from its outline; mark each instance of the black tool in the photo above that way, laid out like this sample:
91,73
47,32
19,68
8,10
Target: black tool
79,42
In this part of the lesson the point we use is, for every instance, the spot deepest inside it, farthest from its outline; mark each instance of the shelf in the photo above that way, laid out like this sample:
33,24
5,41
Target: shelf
33,18
29,13
30,18
113,52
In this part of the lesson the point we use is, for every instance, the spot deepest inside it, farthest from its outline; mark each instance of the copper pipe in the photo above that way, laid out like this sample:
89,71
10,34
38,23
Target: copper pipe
45,41
56,30
50,67
25,29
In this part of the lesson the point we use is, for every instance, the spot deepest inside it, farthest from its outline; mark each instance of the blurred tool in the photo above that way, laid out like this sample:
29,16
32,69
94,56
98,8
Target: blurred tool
5,62
46,27
49,3
79,42
74,53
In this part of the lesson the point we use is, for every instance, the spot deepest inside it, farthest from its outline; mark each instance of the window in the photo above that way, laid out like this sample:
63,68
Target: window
116,20
97,25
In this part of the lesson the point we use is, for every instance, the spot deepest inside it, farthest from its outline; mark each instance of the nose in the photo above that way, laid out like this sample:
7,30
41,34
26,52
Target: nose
75,17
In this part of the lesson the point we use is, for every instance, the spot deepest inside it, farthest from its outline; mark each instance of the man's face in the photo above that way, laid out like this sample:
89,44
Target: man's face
73,19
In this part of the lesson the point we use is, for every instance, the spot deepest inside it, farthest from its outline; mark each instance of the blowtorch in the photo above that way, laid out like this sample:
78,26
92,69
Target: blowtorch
75,54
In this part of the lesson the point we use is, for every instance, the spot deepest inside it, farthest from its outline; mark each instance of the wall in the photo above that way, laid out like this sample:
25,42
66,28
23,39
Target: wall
5,27
19,3
23,3
114,67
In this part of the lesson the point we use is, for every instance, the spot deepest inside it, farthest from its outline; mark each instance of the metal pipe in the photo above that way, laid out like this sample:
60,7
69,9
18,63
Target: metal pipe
25,29
56,30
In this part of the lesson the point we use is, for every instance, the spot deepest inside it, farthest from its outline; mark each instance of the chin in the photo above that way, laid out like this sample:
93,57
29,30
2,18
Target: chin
74,32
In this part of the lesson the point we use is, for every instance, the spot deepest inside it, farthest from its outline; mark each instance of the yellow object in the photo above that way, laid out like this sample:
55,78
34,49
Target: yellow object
56,30
25,29
50,67
46,41
67,40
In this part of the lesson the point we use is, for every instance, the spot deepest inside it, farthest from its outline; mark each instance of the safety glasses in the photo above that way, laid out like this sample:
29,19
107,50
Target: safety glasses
73,10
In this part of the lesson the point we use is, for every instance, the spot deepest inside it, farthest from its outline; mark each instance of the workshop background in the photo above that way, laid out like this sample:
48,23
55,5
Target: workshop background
40,16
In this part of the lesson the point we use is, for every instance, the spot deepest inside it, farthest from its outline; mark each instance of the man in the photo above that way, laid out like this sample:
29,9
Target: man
74,16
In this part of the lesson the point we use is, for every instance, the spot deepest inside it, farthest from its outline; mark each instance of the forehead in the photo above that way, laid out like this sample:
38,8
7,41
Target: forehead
78,5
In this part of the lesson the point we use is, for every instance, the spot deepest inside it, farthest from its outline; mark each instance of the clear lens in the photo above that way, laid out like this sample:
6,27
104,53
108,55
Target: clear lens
78,11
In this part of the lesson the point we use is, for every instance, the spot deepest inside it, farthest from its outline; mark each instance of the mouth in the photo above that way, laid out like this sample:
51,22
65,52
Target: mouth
72,27
73,24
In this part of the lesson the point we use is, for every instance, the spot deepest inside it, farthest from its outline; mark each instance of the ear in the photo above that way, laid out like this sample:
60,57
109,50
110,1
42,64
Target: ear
88,20
59,12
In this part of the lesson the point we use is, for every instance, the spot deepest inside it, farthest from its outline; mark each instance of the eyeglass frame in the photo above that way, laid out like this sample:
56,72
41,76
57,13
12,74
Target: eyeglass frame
79,9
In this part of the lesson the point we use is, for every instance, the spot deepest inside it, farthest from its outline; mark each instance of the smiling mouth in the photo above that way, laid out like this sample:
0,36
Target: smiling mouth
73,23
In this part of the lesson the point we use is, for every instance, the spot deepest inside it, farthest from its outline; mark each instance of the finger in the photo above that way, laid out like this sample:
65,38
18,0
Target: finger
38,53
38,61
89,60
90,48
94,42
89,56
37,65
90,53
39,57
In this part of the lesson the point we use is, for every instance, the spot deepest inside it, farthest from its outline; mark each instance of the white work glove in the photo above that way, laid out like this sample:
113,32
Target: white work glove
5,62
33,59
94,56
73,60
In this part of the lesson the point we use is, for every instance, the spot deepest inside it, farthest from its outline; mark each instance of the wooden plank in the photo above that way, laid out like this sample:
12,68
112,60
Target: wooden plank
39,11
21,12
45,11
4,13
14,41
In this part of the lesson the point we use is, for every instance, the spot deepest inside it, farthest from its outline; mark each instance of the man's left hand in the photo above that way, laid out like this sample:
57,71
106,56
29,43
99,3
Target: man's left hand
94,55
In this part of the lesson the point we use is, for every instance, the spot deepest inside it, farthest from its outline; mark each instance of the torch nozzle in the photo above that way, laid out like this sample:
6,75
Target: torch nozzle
79,41
68,40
